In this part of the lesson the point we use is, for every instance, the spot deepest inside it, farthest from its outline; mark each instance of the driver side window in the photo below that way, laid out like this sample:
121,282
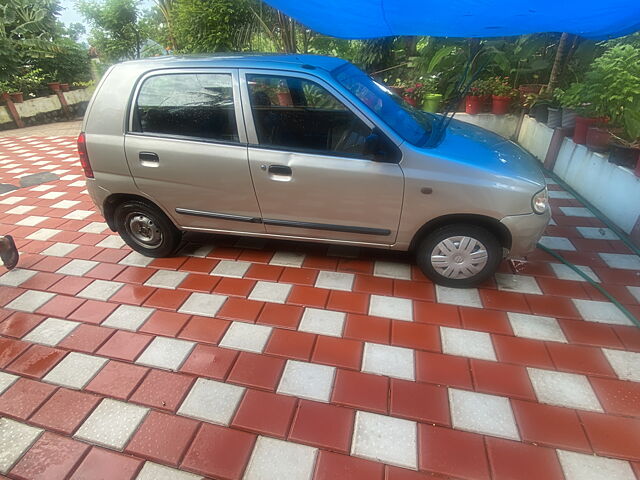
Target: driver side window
298,114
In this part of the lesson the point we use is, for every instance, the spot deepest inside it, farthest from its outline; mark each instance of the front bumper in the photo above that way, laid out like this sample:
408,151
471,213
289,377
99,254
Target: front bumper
525,230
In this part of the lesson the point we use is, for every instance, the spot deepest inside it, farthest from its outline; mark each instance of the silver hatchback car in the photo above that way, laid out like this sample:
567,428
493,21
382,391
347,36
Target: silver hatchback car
303,147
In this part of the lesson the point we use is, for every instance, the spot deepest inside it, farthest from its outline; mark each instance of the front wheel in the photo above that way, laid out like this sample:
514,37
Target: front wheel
146,229
459,255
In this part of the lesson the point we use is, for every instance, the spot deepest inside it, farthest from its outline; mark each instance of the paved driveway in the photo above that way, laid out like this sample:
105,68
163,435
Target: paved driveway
248,359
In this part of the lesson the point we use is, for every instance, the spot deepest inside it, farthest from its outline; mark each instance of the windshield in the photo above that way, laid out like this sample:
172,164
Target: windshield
411,124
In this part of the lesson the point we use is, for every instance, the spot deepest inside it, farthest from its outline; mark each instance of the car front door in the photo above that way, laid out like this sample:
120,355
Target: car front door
187,150
309,162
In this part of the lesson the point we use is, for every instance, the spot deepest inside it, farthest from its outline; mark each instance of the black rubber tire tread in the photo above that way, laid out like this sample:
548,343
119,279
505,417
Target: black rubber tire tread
171,236
426,246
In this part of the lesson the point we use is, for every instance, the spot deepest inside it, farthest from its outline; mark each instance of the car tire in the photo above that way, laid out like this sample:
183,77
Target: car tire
460,255
146,229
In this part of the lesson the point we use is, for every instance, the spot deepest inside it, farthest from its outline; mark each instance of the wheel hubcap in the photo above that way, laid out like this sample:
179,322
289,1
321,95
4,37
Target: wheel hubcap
459,257
143,230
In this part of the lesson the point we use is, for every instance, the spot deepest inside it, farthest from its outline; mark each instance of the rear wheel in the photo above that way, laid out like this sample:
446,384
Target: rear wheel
459,255
146,229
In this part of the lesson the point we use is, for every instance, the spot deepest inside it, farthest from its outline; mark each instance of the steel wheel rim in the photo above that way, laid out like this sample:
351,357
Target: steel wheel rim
143,230
459,257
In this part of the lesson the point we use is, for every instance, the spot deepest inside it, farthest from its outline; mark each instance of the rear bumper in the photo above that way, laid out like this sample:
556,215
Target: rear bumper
525,230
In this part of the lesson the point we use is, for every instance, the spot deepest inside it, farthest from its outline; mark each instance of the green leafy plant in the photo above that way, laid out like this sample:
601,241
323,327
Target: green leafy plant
500,87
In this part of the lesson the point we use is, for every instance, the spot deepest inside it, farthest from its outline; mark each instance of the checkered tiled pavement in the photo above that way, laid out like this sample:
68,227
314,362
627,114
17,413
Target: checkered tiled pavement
258,360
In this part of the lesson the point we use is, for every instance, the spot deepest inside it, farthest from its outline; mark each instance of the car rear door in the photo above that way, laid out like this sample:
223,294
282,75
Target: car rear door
310,173
186,146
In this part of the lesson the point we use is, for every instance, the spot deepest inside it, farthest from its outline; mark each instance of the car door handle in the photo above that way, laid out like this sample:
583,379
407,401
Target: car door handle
281,170
149,159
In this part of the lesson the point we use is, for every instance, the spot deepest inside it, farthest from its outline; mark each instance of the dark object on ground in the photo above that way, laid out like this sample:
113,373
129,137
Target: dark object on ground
7,187
8,252
37,179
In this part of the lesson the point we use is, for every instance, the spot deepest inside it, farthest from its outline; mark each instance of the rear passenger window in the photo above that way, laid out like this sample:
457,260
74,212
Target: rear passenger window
198,105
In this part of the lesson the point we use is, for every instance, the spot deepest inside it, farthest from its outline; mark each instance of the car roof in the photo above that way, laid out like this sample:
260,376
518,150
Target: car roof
241,60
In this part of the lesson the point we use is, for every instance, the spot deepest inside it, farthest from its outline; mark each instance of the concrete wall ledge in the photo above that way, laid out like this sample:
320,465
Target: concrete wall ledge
44,107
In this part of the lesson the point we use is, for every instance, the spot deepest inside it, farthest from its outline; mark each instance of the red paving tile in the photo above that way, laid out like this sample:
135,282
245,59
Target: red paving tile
420,402
240,309
199,283
452,452
209,361
367,328
436,313
86,338
485,320
618,396
338,352
238,287
578,359
501,379
36,361
167,299
219,452
417,336
265,413
588,333
60,306
322,425
549,425
613,436
163,390
523,351
506,301
132,294
124,345
10,349
167,324
100,464
349,302
162,438
93,311
19,324
258,371
331,466
117,379
69,285
362,391
204,329
443,369
276,315
65,410
24,397
284,343
511,460
373,285
308,296
52,457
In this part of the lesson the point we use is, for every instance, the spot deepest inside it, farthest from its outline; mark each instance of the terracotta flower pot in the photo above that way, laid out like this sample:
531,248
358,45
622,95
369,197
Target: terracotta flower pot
284,99
580,130
5,96
54,86
472,105
485,103
410,101
64,87
598,139
17,97
500,105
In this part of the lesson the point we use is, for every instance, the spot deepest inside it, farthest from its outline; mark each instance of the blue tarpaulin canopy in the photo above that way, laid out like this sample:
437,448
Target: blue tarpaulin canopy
597,19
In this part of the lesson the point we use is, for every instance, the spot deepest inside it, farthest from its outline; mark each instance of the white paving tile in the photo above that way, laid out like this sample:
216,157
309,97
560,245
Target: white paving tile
385,439
635,291
51,331
287,259
621,260
31,221
43,234
112,241
557,243
560,194
77,267
563,389
6,380
15,278
52,195
79,214
155,471
166,279
322,322
212,401
577,212
482,413
135,259
231,268
15,439
246,336
579,466
600,312
391,307
128,317
397,362
536,327
100,290
75,370
467,343
30,301
12,200
165,352
307,380
597,233
59,249
270,292
279,460
65,204
335,281
111,424
625,364
20,210
466,297
196,250
564,272
203,304
400,271
517,283
94,227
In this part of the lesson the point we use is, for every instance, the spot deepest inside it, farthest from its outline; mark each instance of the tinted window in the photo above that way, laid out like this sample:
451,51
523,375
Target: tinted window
298,114
189,105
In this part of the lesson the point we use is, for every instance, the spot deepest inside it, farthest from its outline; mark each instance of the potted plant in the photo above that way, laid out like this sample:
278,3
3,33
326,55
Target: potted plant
502,94
283,94
431,99
16,96
54,86
473,101
598,136
581,111
4,91
413,94
64,87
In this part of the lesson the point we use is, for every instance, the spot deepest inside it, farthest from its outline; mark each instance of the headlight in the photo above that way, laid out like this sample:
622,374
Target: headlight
540,201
